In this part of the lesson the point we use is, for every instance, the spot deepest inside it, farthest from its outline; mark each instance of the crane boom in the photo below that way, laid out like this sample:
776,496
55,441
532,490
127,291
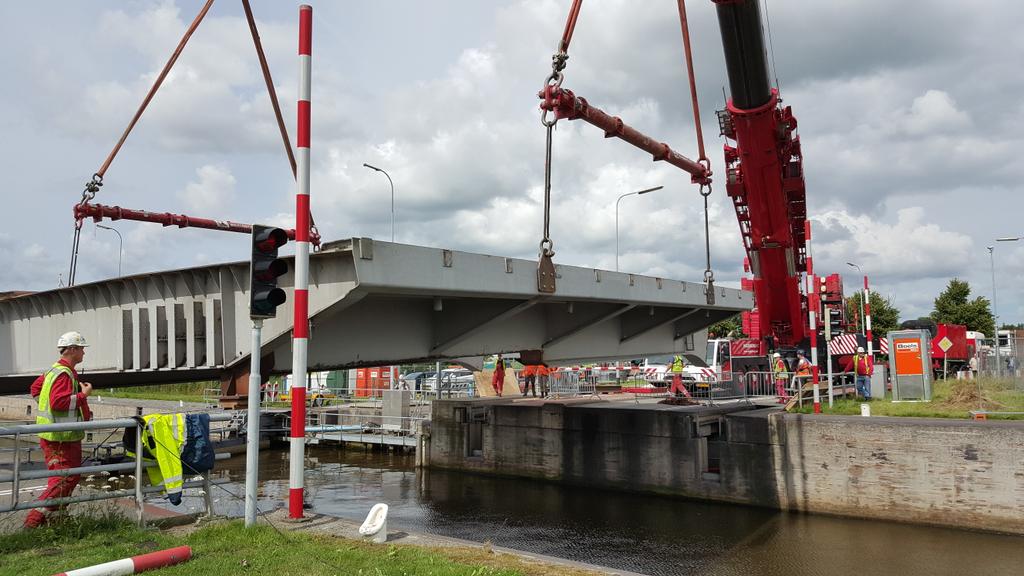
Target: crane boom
764,175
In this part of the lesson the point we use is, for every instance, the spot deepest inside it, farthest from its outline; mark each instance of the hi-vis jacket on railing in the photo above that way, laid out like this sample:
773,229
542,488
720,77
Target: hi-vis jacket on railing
177,443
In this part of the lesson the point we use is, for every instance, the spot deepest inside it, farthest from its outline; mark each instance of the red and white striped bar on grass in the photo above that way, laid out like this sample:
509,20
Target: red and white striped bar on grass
135,564
300,332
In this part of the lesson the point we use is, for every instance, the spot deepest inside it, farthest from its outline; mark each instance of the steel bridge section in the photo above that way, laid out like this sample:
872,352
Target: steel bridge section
371,303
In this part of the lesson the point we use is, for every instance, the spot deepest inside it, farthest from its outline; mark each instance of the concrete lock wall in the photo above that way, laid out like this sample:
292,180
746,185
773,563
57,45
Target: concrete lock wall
932,471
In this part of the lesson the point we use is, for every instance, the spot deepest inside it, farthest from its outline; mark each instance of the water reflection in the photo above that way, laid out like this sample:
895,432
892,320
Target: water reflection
647,534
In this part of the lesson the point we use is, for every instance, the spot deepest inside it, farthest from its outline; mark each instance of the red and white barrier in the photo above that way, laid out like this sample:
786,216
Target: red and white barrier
867,319
300,331
135,564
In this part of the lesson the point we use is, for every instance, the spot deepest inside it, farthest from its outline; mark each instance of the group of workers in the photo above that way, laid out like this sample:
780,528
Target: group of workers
863,368
532,374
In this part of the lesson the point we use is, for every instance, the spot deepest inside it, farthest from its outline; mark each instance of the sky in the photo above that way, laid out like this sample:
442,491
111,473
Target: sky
909,115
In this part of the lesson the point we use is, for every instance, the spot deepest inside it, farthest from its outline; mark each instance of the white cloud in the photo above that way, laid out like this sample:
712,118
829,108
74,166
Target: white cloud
935,112
212,194
911,247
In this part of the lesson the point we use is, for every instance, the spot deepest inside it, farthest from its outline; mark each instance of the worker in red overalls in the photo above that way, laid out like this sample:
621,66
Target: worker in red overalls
499,375
62,398
781,376
676,368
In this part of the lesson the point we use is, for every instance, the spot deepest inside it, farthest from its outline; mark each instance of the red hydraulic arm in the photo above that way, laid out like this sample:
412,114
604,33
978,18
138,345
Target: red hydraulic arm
98,212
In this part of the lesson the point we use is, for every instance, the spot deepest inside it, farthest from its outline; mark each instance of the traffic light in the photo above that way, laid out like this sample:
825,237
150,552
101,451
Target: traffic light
264,295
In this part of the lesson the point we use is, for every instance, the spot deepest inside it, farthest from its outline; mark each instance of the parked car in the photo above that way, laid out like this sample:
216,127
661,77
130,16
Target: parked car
418,381
457,380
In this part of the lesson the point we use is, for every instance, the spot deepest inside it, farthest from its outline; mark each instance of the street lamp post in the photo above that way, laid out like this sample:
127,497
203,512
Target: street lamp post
862,322
120,246
995,314
639,192
392,197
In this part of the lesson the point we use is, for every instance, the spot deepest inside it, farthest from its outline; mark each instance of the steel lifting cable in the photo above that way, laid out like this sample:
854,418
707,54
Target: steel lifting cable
705,182
265,68
93,185
545,267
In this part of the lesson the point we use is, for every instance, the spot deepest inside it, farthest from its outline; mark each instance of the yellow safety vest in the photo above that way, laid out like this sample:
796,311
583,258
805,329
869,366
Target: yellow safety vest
46,416
779,367
677,365
165,436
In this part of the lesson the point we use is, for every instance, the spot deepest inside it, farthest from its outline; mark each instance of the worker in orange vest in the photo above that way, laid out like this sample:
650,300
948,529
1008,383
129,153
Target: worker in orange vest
803,367
499,375
863,368
542,372
530,380
781,376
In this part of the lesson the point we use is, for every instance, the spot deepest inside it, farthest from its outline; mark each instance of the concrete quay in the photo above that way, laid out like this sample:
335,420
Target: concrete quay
953,473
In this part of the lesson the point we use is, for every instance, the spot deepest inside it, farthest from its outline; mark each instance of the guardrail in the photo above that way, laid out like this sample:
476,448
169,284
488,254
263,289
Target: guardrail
139,492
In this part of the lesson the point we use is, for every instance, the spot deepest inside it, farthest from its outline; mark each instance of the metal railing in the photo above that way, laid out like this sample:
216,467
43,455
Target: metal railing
139,493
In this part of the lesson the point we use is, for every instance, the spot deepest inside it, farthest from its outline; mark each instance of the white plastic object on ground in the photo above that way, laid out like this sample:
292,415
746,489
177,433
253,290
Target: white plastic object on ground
376,524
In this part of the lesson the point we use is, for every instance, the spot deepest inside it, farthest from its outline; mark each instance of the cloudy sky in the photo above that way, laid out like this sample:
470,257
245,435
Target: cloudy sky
910,115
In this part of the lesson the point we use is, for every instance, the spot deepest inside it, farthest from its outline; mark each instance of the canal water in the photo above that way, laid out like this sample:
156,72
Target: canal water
642,533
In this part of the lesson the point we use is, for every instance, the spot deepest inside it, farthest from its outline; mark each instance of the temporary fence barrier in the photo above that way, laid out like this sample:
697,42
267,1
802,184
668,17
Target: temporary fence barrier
139,493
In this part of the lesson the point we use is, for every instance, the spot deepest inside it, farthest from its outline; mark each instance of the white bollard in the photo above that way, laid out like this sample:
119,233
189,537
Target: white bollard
376,524
865,410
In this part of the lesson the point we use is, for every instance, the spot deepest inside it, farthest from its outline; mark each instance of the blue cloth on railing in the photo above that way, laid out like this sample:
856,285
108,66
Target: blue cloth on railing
197,455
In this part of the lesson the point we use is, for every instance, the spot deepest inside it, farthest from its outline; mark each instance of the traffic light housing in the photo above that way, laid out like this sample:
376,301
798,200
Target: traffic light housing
266,267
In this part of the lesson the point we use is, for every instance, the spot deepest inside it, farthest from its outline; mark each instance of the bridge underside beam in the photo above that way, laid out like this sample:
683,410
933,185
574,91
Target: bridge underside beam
371,303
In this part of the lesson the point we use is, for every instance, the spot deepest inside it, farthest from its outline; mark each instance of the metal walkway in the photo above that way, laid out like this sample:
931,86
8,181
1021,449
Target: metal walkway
371,303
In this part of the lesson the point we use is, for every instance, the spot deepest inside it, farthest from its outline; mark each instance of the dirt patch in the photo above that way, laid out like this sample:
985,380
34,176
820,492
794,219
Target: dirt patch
966,395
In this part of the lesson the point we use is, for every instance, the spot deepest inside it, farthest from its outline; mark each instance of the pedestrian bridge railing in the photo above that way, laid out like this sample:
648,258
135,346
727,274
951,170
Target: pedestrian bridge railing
16,476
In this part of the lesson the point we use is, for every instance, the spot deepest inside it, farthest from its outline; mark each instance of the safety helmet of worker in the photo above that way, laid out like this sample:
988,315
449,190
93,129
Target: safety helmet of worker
71,339
860,349
776,355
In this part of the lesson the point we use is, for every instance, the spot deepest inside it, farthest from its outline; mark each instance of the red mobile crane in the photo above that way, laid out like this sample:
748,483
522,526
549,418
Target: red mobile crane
765,180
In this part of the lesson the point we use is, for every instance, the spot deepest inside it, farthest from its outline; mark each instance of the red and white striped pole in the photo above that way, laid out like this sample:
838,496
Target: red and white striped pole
300,332
813,299
135,564
867,319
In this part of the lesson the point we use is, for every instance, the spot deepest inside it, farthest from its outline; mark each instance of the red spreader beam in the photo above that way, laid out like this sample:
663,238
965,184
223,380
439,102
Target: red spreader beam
564,104
99,212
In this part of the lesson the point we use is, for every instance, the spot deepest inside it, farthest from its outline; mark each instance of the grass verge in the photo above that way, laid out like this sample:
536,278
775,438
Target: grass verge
190,392
230,548
950,399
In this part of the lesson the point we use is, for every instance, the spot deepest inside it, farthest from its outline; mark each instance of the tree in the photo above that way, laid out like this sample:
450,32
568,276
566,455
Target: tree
884,316
729,327
954,306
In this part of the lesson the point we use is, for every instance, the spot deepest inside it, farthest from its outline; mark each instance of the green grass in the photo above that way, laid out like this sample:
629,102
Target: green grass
230,548
190,392
950,399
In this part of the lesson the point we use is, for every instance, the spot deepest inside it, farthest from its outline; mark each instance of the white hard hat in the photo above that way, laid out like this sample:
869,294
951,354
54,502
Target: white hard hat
777,355
71,339
860,349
